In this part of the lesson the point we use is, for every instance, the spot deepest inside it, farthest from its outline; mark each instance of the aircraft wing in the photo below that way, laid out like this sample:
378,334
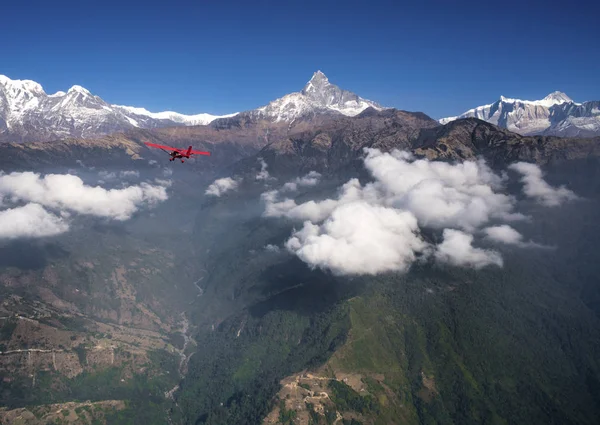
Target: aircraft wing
200,153
154,145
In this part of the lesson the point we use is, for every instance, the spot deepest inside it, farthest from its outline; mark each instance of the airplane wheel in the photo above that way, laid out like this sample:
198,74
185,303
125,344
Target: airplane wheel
182,161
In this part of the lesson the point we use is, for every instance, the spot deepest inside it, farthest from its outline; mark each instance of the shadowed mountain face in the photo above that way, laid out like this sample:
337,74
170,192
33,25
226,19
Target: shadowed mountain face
338,146
228,144
467,138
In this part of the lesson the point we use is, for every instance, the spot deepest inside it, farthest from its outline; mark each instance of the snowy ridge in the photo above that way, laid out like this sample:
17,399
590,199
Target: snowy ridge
28,113
556,114
318,96
554,98
198,119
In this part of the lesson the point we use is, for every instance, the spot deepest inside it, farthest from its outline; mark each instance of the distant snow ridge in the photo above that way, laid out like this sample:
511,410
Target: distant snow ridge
198,119
28,113
556,114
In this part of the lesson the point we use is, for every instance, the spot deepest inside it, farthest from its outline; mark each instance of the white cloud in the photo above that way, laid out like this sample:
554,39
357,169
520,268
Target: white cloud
68,192
80,162
346,234
359,238
129,173
106,175
310,179
30,221
440,194
290,187
507,235
536,187
457,250
220,186
162,182
263,174
311,210
272,248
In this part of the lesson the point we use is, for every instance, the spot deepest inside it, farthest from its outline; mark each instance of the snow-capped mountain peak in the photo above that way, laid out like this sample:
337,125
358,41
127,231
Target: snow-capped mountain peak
555,114
557,97
21,85
554,98
318,96
317,83
79,89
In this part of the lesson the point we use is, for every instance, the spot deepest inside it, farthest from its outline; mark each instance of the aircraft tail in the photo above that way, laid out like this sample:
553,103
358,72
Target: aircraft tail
188,151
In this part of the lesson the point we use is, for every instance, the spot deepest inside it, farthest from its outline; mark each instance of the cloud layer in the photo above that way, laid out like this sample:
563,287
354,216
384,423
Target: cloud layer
65,194
457,250
263,174
311,179
221,186
535,186
112,175
376,228
387,240
68,192
30,221
509,236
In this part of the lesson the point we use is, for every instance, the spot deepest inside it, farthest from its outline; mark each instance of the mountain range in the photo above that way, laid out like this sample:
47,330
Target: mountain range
27,113
555,115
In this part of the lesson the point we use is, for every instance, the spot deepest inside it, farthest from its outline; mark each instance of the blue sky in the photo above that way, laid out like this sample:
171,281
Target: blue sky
440,58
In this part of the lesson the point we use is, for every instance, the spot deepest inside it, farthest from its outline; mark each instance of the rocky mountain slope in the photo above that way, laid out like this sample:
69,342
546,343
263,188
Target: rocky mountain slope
555,115
338,146
227,144
468,138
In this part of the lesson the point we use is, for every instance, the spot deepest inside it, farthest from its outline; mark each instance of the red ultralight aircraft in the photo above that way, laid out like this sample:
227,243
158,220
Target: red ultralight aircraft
176,152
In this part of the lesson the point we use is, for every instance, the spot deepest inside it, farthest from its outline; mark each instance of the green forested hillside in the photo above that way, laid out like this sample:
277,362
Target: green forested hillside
438,345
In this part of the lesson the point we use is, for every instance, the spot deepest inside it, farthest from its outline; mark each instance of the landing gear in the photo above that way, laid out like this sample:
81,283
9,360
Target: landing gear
182,161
